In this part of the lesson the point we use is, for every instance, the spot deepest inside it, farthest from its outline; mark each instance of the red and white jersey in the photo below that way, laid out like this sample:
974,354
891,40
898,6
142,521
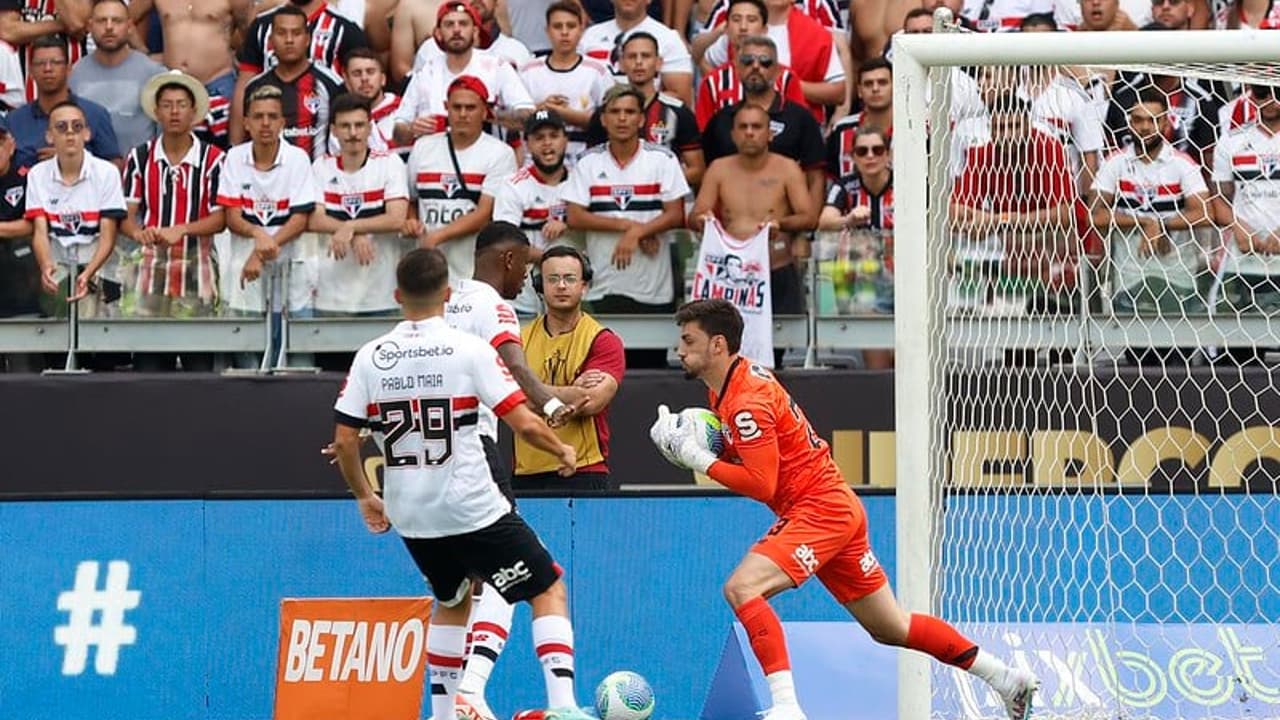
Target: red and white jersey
382,137
345,285
74,212
1067,13
718,53
635,191
1007,15
444,196
525,200
267,198
1238,113
427,90
826,12
1249,158
1158,188
419,388
476,307
584,85
1063,110
1222,19
12,91
504,46
602,42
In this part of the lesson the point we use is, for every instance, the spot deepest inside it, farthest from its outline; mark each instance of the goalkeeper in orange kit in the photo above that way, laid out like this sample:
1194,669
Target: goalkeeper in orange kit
821,530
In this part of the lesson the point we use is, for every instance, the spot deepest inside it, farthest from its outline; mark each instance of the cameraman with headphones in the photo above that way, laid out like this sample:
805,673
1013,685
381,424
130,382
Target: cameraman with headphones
570,352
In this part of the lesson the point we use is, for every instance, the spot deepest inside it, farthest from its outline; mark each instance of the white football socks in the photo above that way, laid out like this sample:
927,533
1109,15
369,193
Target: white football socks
490,627
783,688
553,642
445,646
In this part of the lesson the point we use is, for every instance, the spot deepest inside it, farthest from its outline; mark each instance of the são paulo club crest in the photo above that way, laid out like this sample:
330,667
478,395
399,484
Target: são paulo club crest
1268,164
13,195
352,204
313,103
264,210
450,185
70,221
622,195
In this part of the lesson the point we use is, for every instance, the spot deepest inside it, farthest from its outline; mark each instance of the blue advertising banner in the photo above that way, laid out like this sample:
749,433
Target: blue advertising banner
169,610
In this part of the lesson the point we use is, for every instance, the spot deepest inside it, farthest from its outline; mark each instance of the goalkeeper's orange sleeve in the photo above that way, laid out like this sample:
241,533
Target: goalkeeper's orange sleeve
757,476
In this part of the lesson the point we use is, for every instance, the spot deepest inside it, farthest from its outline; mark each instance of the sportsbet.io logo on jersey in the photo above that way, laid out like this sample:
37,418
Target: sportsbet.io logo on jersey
388,354
728,276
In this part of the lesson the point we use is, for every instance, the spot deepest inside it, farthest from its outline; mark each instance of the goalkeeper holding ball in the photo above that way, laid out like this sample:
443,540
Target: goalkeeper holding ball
777,458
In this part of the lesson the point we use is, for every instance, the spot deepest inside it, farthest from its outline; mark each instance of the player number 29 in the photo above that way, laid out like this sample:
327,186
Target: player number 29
431,418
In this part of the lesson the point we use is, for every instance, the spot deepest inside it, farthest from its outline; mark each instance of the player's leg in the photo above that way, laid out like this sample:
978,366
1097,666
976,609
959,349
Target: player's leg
447,633
858,582
491,613
793,549
521,569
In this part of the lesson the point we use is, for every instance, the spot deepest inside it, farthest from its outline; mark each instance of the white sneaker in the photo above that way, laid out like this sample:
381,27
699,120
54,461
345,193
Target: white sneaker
784,712
1016,692
472,707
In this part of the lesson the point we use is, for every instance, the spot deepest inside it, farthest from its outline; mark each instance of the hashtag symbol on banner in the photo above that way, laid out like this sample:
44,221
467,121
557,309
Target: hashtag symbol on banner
110,633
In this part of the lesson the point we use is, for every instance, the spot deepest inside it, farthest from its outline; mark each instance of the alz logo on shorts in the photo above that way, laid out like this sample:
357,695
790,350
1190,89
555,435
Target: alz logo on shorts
807,559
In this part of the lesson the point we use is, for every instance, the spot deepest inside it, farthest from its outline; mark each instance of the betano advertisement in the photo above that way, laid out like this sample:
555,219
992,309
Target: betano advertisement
171,610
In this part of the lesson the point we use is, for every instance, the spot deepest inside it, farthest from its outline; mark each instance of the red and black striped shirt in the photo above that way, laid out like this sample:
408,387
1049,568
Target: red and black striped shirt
332,37
165,195
306,105
39,11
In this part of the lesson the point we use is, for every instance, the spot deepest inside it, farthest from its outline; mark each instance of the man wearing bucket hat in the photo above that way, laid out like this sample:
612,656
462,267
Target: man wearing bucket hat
454,175
171,210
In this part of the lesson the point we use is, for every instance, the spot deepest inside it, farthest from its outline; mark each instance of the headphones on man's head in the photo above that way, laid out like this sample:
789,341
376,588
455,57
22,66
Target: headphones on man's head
561,251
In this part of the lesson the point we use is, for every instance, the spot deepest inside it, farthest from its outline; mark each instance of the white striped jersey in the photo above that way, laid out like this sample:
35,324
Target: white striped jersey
1152,189
345,285
1250,159
634,192
74,212
165,195
526,201
427,90
475,307
267,198
444,194
383,125
419,388
1064,111
504,46
33,11
584,85
602,42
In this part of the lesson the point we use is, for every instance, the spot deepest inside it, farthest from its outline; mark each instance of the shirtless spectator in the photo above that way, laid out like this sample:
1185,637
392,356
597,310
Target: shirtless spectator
413,24
762,197
199,36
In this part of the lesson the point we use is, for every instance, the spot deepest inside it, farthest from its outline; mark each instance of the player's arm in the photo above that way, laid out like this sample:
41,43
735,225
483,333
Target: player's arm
346,452
540,394
531,429
756,476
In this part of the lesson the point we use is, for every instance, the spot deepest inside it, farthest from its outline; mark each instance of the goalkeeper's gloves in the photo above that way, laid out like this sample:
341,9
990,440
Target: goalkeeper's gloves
664,434
691,455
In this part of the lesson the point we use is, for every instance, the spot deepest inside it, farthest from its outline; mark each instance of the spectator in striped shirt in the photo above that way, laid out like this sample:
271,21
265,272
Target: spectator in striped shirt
170,198
721,86
307,88
366,78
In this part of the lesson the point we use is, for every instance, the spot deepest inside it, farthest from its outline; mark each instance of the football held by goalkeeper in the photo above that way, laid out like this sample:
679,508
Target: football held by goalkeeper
773,455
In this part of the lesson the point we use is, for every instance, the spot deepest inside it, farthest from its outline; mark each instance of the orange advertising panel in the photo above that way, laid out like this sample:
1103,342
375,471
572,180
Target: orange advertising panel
351,659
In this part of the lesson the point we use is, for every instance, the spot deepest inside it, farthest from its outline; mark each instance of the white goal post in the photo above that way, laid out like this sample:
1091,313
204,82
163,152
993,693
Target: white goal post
957,394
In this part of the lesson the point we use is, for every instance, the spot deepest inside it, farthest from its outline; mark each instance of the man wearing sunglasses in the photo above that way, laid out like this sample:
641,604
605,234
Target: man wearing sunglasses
75,201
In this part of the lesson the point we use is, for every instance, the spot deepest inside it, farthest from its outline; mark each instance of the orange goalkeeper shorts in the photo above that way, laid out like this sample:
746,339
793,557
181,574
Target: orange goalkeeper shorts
827,537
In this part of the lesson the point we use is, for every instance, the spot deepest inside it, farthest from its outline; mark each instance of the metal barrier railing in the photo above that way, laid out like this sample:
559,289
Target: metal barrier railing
844,315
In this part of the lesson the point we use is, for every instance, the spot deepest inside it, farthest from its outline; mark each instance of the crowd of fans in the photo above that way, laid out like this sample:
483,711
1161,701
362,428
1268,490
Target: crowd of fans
306,145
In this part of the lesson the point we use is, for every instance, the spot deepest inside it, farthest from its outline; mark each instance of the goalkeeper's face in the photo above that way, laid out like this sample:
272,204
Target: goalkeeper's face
695,350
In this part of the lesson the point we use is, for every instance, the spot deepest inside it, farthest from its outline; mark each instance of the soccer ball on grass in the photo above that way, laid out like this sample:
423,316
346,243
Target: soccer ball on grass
624,695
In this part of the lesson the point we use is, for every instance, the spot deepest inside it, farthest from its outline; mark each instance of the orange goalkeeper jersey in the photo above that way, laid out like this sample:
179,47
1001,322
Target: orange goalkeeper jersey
780,459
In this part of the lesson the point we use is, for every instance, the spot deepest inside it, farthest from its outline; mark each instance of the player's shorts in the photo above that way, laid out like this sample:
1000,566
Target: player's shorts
507,555
498,468
826,537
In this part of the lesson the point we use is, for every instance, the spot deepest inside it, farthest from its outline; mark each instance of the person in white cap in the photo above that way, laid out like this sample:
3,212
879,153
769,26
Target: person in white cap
170,186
